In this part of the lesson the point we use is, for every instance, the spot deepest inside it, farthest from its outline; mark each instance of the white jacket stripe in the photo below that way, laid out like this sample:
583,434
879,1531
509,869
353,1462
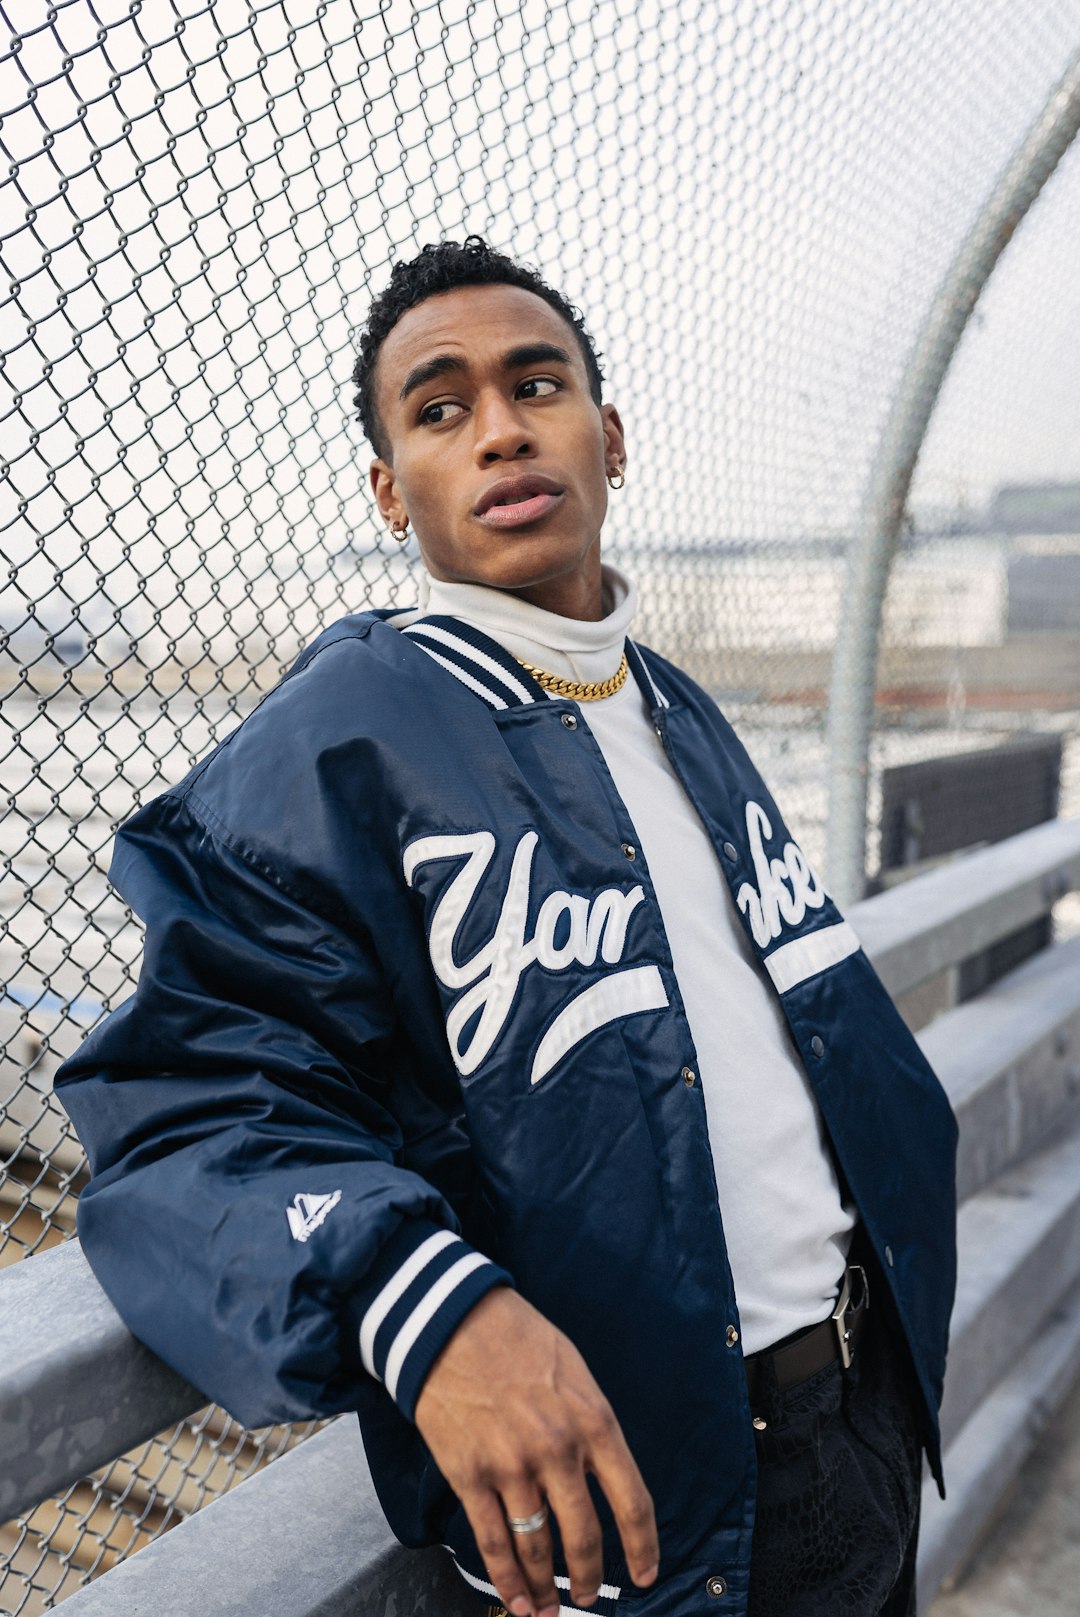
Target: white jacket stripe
660,699
805,957
606,1591
434,632
474,685
425,1310
396,1287
621,993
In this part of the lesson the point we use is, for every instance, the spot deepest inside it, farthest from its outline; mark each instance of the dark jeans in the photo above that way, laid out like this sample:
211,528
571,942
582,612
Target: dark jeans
839,1487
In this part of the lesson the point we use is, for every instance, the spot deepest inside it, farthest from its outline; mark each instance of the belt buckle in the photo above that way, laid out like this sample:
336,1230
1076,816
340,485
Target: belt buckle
846,1312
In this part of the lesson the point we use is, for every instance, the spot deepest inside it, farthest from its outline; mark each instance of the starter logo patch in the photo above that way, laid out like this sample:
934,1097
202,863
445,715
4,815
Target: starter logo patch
308,1211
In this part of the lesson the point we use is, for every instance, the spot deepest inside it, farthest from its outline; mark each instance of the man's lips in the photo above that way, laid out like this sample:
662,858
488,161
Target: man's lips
522,511
518,500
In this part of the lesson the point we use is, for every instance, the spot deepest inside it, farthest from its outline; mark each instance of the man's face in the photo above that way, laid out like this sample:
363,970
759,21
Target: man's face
499,453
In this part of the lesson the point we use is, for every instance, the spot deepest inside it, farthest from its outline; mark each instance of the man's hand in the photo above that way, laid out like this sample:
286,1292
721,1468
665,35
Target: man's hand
513,1418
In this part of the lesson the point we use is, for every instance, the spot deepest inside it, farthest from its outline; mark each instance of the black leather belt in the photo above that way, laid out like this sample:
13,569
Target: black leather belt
835,1338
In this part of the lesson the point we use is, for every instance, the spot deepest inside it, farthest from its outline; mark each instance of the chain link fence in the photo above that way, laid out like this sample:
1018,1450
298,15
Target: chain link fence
753,201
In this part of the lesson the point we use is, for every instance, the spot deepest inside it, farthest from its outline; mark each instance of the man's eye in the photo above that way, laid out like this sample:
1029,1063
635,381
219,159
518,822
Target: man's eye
435,414
538,387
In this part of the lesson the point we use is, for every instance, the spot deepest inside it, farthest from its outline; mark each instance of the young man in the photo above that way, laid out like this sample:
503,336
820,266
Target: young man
500,1068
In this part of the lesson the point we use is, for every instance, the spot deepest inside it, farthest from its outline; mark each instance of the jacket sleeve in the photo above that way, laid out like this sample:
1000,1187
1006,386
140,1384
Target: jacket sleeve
247,1214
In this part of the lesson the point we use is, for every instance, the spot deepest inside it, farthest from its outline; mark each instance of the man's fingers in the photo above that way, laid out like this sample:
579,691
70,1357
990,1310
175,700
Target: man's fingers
582,1540
519,1564
494,1542
511,1413
617,1473
533,1549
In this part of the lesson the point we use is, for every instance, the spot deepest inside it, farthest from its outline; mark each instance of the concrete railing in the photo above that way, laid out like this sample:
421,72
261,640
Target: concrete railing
306,1538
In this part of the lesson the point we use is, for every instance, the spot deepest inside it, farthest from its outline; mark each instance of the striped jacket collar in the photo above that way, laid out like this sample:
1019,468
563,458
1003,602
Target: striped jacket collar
487,669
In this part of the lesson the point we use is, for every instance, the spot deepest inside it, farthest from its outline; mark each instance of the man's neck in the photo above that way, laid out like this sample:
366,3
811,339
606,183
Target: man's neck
576,593
570,597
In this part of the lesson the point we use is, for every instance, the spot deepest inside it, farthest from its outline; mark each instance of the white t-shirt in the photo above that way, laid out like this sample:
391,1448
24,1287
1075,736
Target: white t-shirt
786,1226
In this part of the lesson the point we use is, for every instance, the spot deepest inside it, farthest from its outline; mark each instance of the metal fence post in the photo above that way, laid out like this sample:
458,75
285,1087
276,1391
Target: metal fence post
877,531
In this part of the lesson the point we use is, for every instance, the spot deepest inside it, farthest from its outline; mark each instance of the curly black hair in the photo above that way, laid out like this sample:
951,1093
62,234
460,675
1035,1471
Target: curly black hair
442,267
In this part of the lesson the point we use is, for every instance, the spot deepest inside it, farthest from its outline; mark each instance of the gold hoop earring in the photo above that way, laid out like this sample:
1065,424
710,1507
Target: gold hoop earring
400,534
617,473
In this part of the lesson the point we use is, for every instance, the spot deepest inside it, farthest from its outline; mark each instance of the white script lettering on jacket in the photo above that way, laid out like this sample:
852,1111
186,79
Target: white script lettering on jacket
786,888
488,981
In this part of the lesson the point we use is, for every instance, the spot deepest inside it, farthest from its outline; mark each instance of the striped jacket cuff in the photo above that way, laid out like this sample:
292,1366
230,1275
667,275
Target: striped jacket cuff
413,1300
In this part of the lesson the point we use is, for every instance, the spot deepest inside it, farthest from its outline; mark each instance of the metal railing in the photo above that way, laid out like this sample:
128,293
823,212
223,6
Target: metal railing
881,516
76,1389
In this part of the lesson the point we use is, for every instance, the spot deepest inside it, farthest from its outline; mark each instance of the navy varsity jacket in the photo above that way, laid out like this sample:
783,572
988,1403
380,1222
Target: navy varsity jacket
407,1028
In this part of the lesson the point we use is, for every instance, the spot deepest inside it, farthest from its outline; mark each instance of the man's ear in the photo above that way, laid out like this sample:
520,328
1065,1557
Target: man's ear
614,437
384,488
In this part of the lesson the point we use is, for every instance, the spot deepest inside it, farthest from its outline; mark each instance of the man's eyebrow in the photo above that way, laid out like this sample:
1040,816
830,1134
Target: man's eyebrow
534,353
531,353
441,365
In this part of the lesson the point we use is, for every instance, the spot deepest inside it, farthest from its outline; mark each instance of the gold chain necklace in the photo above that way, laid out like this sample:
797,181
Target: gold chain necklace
576,690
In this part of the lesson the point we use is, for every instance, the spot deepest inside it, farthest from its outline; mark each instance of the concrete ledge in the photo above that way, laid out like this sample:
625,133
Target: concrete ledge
985,1456
76,1388
303,1538
1019,1254
1010,1062
919,928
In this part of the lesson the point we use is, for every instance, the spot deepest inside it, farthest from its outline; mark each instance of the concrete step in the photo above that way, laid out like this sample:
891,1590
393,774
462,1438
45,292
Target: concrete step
1010,1063
916,930
1019,1254
986,1455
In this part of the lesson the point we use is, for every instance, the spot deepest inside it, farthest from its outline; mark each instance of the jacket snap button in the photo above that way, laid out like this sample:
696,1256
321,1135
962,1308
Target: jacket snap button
730,851
889,1256
569,721
629,850
716,1587
689,1077
817,1045
731,1336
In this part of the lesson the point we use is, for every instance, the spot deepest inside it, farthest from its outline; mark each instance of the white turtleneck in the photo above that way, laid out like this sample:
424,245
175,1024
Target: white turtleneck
786,1226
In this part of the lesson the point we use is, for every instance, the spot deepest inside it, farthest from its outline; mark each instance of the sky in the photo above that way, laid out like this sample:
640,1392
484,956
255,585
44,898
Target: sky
753,202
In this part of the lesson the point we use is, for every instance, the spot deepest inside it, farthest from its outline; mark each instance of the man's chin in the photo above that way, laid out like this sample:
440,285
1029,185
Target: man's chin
529,556
518,558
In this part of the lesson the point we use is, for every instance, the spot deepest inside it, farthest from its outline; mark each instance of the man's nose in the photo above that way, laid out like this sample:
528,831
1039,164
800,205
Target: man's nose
501,433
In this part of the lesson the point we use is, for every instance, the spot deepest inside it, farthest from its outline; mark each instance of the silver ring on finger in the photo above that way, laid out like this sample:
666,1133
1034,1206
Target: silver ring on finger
528,1524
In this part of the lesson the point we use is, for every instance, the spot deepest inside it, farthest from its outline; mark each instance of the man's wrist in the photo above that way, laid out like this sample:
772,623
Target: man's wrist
425,1281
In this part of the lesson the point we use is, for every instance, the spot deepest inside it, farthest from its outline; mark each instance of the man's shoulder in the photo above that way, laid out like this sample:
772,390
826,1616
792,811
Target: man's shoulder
352,668
304,770
355,683
353,647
